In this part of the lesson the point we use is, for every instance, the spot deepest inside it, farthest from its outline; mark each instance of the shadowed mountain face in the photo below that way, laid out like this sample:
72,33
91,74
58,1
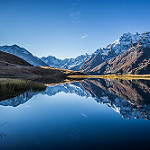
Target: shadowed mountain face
93,61
24,54
135,60
13,66
6,58
128,98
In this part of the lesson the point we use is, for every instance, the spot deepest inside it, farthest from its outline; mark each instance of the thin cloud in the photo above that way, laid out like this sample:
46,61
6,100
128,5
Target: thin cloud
28,45
84,36
74,15
84,115
27,106
74,4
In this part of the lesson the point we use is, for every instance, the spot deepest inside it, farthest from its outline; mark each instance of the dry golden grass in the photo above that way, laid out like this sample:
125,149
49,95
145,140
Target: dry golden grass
113,76
66,71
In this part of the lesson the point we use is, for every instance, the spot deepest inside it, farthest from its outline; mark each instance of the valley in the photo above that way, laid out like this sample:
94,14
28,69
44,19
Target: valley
12,66
129,54
126,58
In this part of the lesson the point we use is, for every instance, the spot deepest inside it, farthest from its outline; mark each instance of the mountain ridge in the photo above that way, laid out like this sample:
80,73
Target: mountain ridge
101,55
23,53
136,60
67,63
114,49
87,63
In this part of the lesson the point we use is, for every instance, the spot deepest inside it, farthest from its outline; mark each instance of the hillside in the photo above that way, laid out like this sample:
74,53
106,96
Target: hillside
12,59
24,54
136,60
67,63
113,50
13,66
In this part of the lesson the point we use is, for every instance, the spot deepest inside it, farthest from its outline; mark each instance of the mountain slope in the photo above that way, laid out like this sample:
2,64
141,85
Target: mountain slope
112,50
24,54
94,60
13,66
68,63
12,59
52,61
136,60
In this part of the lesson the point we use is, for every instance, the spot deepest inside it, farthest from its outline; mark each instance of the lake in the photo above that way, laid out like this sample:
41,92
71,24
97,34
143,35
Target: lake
90,114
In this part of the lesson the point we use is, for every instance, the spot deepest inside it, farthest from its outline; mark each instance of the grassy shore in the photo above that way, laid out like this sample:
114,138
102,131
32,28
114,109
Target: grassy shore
18,84
12,87
112,76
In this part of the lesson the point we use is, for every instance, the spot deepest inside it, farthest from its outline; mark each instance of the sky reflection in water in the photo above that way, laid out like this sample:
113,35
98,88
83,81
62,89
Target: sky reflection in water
91,114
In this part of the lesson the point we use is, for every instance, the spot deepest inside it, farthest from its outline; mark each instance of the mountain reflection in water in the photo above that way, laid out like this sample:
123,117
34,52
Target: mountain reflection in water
128,98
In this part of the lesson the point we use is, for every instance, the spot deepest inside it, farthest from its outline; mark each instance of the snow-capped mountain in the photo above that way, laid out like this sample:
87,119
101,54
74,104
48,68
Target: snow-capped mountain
87,62
135,60
24,54
67,63
52,61
83,62
116,48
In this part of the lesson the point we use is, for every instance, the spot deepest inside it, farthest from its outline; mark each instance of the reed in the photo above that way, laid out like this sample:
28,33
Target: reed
13,87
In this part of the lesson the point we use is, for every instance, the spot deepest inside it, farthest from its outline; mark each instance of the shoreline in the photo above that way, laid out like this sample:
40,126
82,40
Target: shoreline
111,76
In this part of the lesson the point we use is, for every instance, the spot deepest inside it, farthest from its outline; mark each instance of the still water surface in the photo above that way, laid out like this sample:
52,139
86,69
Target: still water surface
92,114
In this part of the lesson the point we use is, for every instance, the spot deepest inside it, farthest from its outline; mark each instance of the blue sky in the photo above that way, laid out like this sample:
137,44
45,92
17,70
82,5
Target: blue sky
68,28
